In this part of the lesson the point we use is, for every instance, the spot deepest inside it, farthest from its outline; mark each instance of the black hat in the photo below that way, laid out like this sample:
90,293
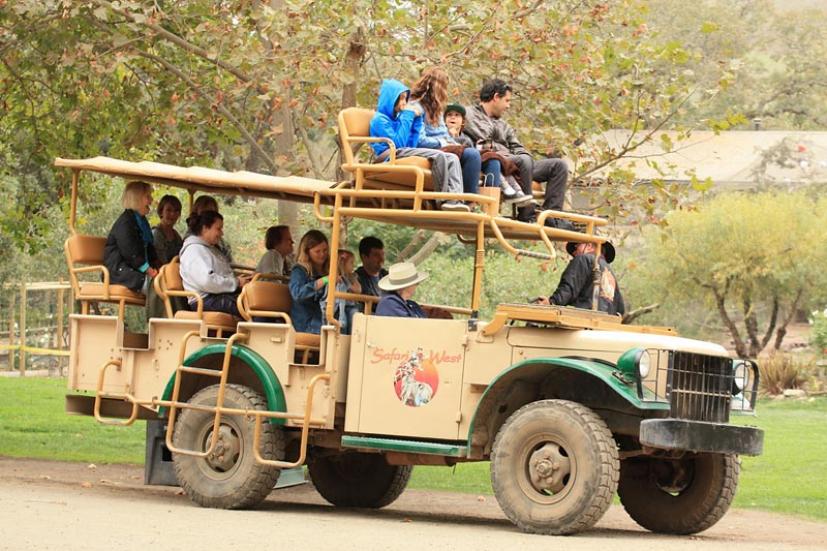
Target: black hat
456,108
608,250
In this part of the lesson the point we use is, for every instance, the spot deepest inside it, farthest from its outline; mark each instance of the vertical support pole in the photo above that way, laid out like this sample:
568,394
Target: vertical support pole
22,354
479,262
73,206
59,344
334,260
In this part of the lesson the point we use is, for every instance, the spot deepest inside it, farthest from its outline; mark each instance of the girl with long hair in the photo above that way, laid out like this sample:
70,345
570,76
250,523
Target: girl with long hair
430,92
308,282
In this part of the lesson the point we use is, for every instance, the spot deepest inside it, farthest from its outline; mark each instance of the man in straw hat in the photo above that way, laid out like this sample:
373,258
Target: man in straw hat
400,285
576,285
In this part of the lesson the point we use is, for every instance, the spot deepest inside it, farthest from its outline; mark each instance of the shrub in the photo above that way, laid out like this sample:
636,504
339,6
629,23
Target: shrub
818,337
778,372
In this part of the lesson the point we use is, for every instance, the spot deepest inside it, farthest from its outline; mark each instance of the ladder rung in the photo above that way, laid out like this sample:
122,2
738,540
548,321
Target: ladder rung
200,371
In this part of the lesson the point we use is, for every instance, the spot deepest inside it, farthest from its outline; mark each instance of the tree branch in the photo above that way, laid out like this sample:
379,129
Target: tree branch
782,329
773,321
221,109
638,312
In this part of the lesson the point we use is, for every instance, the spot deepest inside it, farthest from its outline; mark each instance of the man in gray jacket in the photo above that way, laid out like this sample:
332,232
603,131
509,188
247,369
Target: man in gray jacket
484,125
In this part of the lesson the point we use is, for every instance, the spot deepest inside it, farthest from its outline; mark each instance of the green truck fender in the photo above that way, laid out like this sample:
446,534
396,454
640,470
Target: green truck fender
587,381
270,386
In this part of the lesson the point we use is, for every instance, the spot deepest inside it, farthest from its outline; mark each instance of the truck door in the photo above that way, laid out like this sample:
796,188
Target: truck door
405,377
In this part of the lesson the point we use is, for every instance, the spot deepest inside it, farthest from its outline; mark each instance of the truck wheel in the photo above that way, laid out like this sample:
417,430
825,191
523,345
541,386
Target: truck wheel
554,467
355,479
678,496
229,478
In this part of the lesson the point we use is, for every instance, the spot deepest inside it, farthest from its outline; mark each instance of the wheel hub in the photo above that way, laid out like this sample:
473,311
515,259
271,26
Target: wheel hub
226,451
549,468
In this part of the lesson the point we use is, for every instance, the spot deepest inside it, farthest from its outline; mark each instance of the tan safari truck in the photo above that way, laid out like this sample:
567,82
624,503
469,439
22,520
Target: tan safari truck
568,406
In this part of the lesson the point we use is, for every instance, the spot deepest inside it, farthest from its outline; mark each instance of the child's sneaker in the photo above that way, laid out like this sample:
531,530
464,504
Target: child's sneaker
508,191
455,206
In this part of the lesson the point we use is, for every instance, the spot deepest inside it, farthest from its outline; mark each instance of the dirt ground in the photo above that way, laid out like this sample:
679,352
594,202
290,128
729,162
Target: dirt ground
52,505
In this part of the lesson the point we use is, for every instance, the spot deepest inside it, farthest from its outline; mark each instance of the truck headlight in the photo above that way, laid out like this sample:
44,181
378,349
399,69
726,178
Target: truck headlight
635,362
740,375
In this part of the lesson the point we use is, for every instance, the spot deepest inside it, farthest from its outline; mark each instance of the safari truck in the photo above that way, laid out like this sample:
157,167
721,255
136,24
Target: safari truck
569,406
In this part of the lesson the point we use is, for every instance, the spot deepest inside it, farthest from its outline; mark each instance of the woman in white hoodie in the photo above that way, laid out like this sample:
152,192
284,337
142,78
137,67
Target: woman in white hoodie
204,268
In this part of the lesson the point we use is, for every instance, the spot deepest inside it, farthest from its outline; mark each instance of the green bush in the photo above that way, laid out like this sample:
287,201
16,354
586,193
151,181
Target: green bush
818,337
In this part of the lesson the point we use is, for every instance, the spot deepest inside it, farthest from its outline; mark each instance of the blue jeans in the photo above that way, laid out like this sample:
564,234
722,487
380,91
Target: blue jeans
491,170
223,302
470,162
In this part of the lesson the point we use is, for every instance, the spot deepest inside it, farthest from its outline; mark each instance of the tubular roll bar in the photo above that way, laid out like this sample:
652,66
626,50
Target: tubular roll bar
173,404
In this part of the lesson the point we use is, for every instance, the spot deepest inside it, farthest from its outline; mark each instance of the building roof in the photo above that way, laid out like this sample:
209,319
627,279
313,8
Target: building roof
738,158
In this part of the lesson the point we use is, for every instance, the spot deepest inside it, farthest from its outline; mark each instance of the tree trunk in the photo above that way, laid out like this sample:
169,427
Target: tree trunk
352,68
740,346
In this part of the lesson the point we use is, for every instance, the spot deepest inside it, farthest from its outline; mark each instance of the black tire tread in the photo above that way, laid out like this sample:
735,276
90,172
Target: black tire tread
681,519
352,493
254,490
607,455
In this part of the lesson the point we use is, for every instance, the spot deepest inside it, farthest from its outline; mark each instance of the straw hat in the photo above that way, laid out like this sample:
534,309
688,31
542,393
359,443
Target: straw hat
608,250
401,275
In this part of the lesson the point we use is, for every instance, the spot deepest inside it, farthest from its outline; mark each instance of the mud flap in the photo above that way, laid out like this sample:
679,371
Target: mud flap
158,468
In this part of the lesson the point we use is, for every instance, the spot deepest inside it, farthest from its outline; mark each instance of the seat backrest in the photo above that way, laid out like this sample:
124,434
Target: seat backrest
85,249
354,122
268,296
172,276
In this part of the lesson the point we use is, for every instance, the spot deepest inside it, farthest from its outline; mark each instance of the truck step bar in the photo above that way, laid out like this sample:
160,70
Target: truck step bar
404,446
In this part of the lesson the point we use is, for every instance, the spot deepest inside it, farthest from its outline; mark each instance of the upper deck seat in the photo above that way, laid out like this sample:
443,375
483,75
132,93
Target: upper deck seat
84,254
354,131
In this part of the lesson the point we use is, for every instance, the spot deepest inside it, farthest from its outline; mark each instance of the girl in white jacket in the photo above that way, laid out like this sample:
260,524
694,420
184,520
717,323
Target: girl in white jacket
205,270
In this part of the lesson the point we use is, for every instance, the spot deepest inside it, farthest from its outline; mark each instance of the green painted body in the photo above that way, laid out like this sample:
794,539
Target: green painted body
403,446
273,392
607,374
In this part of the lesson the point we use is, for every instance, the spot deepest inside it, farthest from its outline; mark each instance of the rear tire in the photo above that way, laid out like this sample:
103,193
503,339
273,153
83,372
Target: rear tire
554,467
681,496
230,478
354,479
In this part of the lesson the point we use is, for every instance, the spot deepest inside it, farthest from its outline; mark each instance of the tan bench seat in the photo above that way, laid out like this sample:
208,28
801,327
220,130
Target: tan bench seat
222,319
84,254
169,284
354,131
262,298
93,291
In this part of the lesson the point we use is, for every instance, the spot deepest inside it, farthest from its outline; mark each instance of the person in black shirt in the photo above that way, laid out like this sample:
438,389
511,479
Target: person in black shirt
372,253
577,282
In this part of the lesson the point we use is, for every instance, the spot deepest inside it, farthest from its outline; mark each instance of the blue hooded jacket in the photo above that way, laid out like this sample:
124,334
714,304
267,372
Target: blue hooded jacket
403,127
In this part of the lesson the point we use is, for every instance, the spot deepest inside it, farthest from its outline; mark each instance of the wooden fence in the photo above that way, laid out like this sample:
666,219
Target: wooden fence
20,322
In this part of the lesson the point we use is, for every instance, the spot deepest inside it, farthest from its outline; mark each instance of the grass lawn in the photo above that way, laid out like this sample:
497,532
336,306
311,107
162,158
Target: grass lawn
791,476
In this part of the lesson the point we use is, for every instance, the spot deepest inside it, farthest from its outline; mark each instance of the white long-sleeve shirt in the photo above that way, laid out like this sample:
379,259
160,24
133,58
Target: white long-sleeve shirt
204,269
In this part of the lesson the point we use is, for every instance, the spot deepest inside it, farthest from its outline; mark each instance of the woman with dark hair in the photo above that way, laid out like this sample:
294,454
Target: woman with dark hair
205,270
308,282
279,256
201,204
129,254
430,92
167,240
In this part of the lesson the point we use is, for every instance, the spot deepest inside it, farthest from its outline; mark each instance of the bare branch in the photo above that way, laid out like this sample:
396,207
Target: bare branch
638,312
221,109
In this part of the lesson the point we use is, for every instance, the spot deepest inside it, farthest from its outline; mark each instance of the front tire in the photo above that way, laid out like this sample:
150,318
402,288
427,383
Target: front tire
354,479
678,496
230,477
554,467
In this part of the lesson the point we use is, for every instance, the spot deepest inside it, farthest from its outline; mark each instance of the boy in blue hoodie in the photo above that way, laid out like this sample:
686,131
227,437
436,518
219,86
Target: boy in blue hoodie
402,123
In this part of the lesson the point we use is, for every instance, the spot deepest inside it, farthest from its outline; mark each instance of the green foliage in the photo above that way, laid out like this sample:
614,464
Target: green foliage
751,259
818,337
257,85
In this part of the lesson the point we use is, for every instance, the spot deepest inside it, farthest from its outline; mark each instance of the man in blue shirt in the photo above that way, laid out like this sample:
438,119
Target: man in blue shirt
400,285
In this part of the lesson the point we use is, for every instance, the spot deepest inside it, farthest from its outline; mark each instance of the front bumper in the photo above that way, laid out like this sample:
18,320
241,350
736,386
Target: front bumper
699,436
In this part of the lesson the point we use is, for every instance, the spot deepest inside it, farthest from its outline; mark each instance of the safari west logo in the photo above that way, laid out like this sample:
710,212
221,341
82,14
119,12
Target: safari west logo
416,378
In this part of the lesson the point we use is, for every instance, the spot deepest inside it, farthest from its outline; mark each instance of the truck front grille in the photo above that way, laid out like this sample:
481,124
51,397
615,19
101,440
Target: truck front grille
699,387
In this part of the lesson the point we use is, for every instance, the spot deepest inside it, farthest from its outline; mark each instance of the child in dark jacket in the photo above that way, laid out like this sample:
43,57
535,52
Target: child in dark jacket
402,124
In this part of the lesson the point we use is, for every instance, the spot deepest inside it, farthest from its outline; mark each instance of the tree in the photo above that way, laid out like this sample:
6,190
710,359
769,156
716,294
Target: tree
755,260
